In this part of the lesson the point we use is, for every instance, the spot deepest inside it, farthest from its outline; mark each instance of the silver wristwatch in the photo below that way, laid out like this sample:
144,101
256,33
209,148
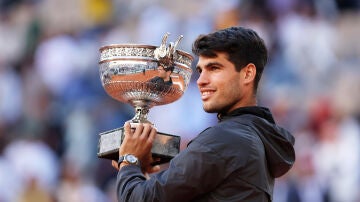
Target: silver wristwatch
129,158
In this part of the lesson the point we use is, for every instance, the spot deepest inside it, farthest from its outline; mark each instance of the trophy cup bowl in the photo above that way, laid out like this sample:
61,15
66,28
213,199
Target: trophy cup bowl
130,73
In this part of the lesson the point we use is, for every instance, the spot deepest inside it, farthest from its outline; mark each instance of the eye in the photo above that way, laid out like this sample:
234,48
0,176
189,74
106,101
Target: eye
199,70
214,67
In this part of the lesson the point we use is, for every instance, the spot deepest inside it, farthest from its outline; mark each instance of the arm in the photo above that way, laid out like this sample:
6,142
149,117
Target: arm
195,171
138,142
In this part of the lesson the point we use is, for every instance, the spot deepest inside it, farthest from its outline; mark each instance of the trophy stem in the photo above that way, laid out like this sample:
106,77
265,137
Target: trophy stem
141,114
141,111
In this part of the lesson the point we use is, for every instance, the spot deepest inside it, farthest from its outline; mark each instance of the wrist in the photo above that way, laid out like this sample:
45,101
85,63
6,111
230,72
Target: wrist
127,159
123,164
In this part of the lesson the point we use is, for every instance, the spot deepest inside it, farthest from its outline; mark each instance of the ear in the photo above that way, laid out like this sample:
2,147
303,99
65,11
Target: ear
249,72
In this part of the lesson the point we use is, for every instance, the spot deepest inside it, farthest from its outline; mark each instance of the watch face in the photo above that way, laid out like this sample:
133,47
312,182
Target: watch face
131,159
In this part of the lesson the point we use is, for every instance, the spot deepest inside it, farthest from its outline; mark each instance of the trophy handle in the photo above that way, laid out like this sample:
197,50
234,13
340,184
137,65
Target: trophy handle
161,51
173,47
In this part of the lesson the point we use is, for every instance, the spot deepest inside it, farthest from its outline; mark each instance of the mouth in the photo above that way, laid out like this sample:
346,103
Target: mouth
206,93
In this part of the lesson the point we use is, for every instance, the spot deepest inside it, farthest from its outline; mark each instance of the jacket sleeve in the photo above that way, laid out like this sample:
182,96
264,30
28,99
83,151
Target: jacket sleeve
193,172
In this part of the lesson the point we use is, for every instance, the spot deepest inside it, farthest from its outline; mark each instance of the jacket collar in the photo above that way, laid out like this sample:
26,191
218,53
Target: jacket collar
262,112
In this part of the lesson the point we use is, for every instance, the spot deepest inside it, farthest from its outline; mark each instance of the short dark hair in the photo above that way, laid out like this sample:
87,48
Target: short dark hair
242,45
170,68
167,68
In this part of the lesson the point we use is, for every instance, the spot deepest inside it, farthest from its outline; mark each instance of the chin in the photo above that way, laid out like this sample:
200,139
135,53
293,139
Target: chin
209,109
215,108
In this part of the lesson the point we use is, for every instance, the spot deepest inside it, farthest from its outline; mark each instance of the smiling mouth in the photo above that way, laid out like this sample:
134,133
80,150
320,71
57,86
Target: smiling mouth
206,94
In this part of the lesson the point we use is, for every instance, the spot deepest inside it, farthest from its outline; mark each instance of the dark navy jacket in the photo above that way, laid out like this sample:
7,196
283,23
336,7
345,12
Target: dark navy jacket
236,160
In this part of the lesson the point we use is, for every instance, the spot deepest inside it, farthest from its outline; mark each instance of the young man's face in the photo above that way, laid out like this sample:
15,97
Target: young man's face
220,85
162,73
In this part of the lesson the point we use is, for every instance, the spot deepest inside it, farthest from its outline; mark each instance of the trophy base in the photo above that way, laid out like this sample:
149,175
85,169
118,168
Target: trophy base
165,146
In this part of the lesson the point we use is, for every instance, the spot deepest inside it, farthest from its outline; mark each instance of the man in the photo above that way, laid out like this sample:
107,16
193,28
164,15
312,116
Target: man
235,160
163,79
164,75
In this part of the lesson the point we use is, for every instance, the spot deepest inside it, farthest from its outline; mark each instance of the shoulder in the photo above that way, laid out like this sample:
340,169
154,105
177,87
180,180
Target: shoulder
229,132
230,141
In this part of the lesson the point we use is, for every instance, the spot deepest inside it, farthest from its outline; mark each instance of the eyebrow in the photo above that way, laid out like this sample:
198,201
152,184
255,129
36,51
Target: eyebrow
209,65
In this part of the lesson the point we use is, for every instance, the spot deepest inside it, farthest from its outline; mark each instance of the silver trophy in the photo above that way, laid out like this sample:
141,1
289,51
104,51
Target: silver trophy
144,76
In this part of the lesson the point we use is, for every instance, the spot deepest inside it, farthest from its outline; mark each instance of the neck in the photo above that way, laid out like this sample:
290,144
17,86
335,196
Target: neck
245,102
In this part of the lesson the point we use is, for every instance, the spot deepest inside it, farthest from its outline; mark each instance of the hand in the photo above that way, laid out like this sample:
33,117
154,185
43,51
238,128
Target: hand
138,142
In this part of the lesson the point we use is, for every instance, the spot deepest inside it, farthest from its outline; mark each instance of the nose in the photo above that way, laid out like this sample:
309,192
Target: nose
203,79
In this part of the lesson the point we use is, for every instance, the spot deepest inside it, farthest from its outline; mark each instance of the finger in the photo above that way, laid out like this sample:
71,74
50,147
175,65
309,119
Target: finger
138,130
114,164
133,127
146,131
152,134
127,128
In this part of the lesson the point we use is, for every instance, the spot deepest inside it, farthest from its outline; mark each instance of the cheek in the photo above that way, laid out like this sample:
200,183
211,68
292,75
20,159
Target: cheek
231,92
232,89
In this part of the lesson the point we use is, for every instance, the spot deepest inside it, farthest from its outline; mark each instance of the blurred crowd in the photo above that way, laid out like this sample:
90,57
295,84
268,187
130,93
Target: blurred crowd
53,106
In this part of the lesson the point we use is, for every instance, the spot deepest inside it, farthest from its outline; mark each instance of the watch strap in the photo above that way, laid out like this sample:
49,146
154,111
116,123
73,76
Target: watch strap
121,159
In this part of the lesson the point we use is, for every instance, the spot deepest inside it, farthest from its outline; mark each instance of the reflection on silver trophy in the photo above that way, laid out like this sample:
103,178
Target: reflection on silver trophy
144,76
